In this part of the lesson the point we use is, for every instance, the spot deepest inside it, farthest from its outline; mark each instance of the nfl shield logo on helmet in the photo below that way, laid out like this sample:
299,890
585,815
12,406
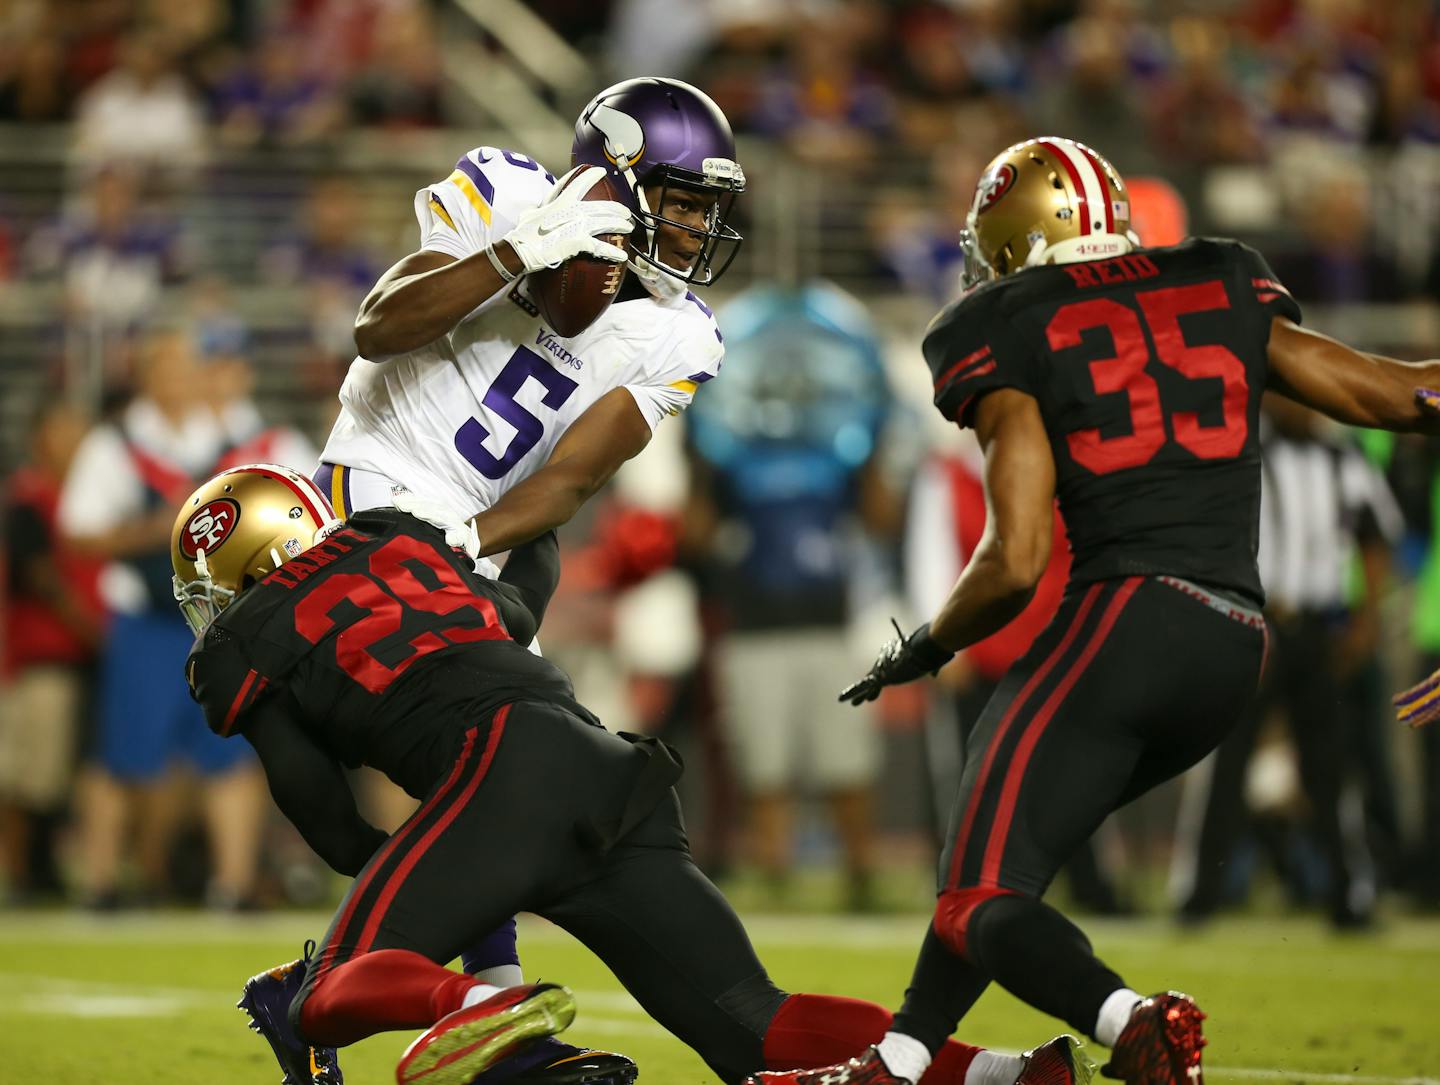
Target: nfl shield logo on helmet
209,526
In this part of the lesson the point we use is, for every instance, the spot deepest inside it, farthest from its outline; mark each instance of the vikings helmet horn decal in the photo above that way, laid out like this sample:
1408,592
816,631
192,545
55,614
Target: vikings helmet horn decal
624,137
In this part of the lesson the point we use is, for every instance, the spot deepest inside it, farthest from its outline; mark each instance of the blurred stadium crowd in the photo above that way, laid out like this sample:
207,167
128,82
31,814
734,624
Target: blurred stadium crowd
195,194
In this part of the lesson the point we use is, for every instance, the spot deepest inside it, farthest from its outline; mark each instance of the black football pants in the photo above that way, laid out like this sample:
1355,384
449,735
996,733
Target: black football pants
520,824
1133,682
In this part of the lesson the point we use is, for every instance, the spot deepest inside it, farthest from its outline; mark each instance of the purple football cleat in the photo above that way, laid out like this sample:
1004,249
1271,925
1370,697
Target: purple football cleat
266,999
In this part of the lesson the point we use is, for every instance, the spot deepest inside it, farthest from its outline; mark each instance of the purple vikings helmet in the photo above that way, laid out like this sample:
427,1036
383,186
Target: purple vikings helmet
663,131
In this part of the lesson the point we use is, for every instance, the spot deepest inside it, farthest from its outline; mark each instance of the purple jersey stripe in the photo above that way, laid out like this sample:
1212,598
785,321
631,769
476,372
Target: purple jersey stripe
700,378
690,296
476,174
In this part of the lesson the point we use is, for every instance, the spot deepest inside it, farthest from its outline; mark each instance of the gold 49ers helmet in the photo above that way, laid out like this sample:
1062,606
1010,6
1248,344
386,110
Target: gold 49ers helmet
1045,201
237,528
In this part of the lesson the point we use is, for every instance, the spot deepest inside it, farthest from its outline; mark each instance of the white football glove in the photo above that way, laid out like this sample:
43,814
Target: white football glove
460,533
566,225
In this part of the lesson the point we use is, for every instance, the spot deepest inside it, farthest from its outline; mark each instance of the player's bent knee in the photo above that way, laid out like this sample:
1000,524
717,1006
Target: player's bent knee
954,911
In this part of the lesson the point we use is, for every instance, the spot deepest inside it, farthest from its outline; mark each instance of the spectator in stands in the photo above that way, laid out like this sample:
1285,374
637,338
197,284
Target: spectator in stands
114,257
823,104
1337,260
143,112
1198,115
33,87
1096,97
274,98
52,623
1323,505
119,502
324,256
787,483
400,85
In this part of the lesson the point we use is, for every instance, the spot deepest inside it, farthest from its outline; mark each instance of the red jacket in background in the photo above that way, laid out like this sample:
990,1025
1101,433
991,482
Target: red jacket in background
33,632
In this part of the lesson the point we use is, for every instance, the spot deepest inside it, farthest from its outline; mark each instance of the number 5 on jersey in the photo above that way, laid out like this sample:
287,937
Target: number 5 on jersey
470,438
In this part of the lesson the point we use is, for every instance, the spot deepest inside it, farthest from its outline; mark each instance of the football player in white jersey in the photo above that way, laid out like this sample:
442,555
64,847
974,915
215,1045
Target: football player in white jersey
464,403
464,394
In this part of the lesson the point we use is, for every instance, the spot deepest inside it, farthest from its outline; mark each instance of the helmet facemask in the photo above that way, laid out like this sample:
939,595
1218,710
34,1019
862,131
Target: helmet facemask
201,600
723,179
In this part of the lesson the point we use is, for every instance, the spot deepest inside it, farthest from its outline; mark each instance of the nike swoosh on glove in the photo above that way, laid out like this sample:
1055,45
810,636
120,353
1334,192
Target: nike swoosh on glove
567,225
459,532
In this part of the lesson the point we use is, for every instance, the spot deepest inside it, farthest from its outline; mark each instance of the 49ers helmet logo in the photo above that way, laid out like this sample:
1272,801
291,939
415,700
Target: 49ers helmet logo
994,185
209,526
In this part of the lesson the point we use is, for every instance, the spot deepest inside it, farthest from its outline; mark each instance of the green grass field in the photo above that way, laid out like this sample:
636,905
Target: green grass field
92,1001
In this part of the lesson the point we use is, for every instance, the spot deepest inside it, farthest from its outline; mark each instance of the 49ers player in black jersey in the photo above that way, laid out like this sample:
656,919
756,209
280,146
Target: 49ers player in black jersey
1125,382
380,645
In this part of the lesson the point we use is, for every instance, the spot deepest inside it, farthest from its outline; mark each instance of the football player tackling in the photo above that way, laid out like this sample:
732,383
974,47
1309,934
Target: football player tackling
380,645
464,401
1126,382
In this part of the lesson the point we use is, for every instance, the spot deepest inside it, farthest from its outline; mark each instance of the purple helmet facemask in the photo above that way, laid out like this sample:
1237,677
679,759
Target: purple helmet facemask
665,132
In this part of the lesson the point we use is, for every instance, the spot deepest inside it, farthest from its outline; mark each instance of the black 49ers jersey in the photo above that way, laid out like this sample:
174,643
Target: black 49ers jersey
384,641
1148,370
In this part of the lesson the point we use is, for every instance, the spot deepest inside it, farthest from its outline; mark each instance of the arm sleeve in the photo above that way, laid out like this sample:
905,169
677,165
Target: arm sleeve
970,352
310,788
480,202
526,584
669,387
224,681
1261,283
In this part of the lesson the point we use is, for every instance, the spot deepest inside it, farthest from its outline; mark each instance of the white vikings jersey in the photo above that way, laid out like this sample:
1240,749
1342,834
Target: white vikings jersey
466,417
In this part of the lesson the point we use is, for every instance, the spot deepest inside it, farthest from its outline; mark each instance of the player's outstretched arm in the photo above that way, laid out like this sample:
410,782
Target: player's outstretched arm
310,789
999,580
1352,386
611,431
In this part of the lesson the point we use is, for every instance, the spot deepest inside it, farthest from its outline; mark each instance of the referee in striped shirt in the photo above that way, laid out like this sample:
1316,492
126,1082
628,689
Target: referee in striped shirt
1322,505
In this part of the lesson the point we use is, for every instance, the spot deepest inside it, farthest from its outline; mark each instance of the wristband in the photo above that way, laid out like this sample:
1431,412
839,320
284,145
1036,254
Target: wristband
500,269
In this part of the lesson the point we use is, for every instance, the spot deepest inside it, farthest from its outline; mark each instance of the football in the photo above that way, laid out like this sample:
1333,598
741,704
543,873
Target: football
572,296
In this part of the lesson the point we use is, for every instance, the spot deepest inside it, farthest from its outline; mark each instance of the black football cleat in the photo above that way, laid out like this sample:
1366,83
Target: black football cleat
266,999
1160,1044
553,1062
866,1069
464,1044
1061,1061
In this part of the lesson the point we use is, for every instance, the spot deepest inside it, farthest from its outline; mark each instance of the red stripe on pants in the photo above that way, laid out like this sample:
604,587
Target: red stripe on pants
397,879
388,849
1015,772
963,837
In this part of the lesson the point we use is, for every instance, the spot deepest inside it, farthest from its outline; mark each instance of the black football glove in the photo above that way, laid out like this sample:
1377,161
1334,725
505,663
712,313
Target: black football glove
904,659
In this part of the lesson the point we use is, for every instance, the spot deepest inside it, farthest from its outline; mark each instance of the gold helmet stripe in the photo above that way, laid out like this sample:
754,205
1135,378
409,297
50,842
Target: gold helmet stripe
1088,182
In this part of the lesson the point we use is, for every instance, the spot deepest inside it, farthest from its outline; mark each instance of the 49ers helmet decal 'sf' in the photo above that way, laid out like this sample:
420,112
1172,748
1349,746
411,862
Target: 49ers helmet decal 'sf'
1045,201
237,528
662,131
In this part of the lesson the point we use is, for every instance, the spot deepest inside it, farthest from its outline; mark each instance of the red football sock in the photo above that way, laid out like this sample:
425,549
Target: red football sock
811,1031
386,989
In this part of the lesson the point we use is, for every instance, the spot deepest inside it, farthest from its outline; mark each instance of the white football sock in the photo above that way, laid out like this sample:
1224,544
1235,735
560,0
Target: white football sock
501,975
479,993
1115,1015
904,1056
989,1068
